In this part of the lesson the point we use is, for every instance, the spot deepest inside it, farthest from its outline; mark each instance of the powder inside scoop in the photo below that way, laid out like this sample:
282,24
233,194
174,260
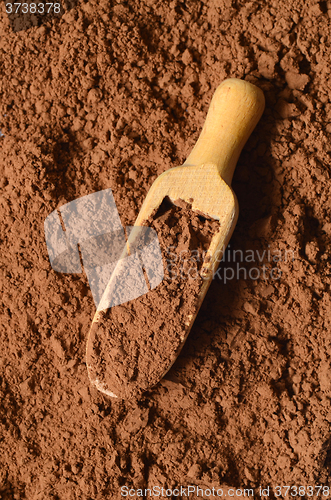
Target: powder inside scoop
132,344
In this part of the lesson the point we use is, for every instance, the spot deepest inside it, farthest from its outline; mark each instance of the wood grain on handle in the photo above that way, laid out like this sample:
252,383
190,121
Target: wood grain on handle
234,111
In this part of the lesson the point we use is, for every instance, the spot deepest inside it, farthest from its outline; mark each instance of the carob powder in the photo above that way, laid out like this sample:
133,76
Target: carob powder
110,96
133,344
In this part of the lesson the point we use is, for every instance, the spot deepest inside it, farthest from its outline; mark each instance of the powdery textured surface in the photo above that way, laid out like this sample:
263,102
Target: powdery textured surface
132,345
111,95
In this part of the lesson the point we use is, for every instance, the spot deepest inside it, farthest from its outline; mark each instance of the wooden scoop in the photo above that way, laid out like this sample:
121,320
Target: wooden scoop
204,182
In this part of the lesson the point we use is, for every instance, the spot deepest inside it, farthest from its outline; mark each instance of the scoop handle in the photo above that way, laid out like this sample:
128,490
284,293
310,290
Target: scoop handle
234,111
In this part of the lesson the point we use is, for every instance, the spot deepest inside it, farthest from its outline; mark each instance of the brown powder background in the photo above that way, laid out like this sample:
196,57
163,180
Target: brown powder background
111,95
